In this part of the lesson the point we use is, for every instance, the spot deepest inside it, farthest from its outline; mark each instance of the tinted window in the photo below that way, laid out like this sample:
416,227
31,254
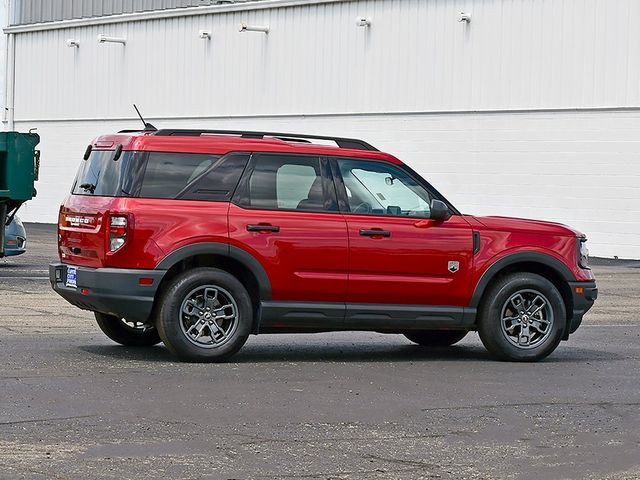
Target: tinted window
101,175
220,181
285,182
382,189
167,174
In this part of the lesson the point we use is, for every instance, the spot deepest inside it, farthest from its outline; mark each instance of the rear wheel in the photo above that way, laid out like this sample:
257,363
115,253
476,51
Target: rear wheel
206,315
436,338
522,318
124,332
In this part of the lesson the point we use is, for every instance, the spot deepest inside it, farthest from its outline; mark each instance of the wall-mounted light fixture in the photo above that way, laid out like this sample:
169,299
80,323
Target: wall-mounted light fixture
254,28
204,34
363,22
104,39
72,43
464,17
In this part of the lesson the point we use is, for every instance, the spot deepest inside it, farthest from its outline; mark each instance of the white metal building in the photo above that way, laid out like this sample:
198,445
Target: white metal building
531,108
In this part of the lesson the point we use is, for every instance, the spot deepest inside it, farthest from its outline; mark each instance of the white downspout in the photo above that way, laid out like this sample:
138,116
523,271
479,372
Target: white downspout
10,74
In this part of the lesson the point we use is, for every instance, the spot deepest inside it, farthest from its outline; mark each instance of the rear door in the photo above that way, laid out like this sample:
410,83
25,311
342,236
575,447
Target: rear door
285,214
398,256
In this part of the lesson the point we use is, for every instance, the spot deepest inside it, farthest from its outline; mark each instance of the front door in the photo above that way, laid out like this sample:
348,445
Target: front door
398,256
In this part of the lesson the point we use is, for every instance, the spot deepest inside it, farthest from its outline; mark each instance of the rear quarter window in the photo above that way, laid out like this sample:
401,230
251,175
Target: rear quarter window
167,174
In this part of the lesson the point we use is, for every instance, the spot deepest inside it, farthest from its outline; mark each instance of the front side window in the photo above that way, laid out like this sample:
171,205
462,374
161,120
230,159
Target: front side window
285,182
377,188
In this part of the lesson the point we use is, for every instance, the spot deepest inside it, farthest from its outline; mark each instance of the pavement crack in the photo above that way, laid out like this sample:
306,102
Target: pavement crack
44,420
532,404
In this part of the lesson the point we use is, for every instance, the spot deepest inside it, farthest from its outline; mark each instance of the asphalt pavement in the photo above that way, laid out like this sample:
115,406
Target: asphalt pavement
73,405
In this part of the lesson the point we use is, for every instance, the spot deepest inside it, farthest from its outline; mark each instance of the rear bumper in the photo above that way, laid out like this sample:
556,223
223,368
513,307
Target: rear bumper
584,294
114,291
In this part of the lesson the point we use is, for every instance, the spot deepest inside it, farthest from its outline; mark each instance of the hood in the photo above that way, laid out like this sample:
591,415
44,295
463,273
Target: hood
511,224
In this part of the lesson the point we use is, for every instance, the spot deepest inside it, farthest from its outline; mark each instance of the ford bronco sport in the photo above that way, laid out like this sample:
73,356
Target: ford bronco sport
200,238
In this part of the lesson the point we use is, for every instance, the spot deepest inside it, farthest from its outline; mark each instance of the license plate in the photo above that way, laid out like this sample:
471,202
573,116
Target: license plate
72,277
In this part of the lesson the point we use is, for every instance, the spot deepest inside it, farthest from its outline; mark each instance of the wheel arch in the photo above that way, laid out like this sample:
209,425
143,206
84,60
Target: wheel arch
241,264
542,264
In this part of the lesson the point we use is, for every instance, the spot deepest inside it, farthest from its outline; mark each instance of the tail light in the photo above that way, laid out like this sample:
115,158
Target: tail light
118,225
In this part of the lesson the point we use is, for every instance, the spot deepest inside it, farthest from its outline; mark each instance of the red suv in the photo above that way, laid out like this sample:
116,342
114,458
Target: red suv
198,238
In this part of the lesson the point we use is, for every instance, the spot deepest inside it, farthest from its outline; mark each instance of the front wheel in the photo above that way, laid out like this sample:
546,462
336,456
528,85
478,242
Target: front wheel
205,315
124,332
522,318
436,338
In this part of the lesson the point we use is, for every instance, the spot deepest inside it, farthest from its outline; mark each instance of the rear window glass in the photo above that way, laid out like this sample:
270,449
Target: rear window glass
102,176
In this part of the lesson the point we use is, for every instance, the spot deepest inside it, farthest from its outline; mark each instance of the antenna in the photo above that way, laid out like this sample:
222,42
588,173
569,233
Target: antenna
147,126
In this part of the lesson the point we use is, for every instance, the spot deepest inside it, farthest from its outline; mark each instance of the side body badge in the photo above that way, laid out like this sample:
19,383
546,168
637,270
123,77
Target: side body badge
453,266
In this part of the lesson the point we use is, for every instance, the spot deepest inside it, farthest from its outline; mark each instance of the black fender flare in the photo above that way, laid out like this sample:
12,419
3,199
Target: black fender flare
530,257
223,249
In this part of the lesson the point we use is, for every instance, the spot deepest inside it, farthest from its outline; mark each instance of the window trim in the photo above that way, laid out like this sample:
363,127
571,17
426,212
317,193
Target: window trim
343,200
328,186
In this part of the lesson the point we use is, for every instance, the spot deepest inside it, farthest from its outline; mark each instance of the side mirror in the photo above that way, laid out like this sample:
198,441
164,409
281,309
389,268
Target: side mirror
439,211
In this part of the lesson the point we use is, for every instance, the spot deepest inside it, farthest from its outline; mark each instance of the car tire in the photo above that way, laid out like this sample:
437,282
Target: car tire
120,331
205,315
522,318
436,338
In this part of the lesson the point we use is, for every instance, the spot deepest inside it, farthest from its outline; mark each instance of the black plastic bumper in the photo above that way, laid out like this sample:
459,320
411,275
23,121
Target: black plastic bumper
114,291
584,294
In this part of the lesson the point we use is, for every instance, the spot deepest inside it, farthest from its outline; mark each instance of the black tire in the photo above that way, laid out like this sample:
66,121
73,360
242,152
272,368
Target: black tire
436,338
543,338
117,330
174,325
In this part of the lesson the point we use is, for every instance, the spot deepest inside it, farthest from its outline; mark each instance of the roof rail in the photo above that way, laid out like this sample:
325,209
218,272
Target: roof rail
351,143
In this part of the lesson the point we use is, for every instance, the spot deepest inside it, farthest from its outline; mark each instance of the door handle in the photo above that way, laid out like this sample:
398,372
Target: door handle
375,233
263,228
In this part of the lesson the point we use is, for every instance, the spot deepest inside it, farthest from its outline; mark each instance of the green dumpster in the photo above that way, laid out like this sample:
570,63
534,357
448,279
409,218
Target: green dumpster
19,165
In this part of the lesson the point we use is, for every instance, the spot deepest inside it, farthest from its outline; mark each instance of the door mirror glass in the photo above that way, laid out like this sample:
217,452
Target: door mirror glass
439,211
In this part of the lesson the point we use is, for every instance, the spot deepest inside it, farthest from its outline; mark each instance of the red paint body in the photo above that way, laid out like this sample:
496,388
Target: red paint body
315,256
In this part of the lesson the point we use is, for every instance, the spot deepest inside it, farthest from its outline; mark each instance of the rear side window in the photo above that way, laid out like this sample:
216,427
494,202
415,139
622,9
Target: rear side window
285,182
167,174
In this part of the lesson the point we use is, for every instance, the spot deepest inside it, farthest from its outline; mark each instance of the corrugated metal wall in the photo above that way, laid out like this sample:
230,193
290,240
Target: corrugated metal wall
37,11
515,54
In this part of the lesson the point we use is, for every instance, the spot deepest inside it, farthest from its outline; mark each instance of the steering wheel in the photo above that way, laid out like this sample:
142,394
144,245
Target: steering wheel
364,207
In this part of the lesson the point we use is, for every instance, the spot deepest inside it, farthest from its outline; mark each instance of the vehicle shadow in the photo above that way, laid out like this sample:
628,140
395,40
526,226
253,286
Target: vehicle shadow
355,353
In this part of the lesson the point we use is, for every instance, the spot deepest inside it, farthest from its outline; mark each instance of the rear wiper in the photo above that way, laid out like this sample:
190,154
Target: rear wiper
88,186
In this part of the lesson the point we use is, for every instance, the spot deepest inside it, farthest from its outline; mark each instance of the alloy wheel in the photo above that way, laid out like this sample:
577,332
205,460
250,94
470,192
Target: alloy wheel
526,319
208,316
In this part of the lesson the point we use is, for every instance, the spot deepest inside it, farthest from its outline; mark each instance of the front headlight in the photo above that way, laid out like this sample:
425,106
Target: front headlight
583,253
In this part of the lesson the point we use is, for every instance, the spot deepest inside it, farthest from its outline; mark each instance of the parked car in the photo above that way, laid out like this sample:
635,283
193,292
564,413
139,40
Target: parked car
15,238
200,238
